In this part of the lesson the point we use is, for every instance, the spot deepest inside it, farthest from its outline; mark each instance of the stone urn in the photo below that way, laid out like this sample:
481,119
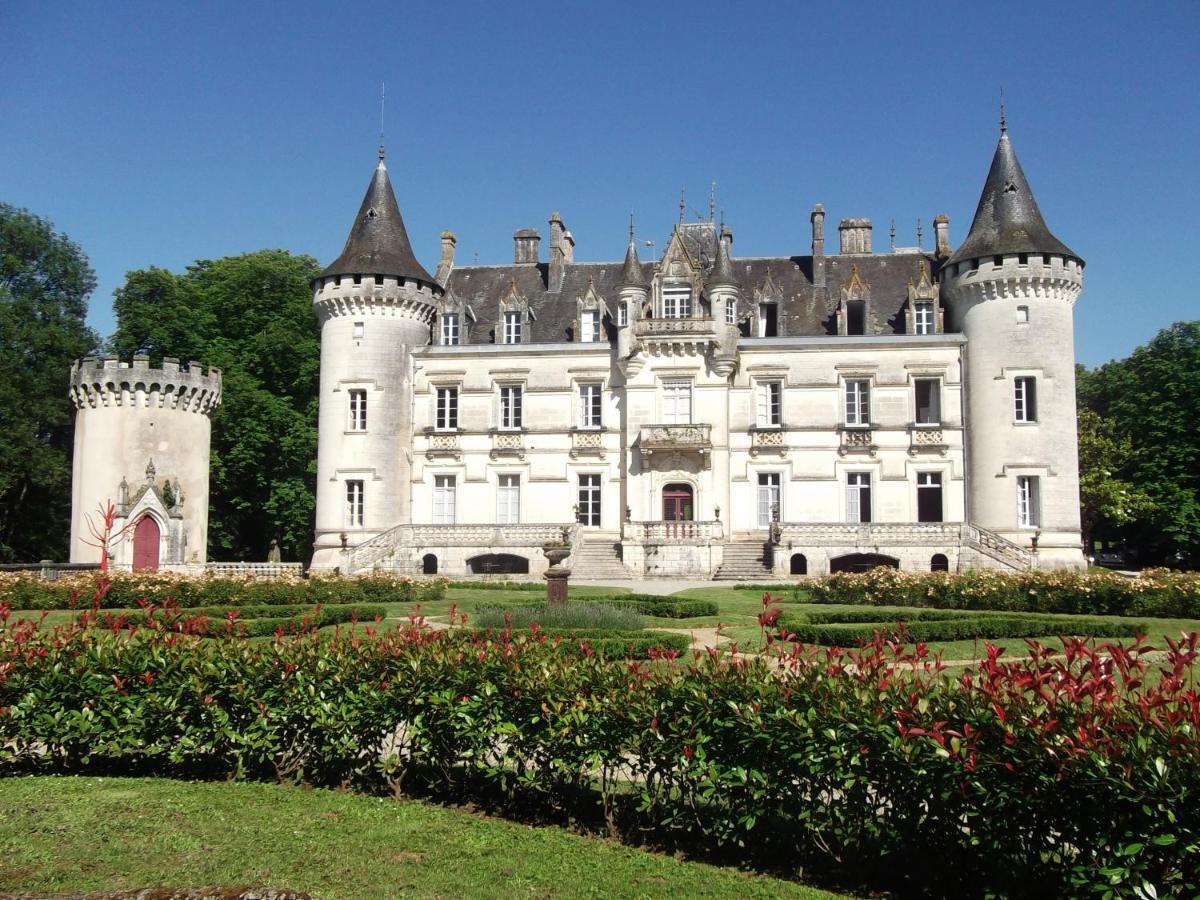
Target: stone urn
556,578
556,553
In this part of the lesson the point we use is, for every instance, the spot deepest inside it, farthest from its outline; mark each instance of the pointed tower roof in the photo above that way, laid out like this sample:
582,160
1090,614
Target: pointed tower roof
1007,219
378,243
631,273
722,270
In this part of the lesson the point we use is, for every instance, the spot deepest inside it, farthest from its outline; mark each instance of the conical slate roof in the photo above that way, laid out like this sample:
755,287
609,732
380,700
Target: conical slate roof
1007,219
631,272
378,243
722,270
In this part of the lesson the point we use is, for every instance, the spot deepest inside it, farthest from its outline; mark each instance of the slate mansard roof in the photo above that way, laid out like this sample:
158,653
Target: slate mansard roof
803,309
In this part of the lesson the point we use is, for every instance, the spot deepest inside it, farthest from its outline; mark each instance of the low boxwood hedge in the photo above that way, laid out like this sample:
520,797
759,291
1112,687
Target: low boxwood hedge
646,604
255,621
954,628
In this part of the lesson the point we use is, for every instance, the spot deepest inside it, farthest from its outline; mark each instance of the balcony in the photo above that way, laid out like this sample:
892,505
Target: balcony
856,439
675,439
926,438
443,445
506,444
768,440
587,443
675,336
700,533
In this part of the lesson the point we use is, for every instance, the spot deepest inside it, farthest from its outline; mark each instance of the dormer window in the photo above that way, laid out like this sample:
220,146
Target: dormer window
923,317
768,320
677,302
512,327
589,326
450,329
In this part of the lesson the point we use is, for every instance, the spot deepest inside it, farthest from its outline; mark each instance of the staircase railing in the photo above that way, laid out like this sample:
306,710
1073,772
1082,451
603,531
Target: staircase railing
997,547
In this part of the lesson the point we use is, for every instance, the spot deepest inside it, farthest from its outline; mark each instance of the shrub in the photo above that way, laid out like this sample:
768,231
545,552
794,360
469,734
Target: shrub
235,621
955,628
1153,593
646,604
593,616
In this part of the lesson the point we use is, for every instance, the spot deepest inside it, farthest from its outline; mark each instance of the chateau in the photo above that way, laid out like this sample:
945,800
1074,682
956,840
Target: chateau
705,413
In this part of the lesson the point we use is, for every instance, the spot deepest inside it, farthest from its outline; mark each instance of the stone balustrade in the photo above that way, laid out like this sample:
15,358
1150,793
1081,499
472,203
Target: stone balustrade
508,443
650,328
443,444
261,570
857,440
768,441
675,438
674,532
587,443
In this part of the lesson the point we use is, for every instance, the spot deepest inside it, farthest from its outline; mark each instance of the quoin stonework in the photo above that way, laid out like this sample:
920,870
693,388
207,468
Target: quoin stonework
705,413
142,438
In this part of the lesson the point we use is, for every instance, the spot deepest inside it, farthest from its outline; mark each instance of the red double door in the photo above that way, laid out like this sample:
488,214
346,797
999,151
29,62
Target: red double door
678,507
145,545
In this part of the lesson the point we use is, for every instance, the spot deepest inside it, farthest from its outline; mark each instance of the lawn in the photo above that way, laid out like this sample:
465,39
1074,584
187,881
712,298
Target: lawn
90,834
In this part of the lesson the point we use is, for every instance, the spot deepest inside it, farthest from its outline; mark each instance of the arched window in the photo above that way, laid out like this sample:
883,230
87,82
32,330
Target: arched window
939,563
862,562
429,564
799,564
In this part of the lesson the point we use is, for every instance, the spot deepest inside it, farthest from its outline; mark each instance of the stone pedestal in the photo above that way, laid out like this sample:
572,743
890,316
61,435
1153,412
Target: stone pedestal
556,586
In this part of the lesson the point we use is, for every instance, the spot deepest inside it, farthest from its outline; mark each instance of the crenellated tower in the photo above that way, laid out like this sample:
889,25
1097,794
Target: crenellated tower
1011,290
142,439
375,303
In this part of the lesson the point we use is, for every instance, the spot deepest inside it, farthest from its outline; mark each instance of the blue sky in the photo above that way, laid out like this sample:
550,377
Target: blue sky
160,133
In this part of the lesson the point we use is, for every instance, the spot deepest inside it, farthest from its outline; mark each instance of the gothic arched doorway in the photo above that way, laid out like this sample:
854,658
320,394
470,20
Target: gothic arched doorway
145,545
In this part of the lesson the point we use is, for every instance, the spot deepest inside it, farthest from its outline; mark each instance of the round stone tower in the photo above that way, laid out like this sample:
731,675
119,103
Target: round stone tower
1011,289
142,439
375,304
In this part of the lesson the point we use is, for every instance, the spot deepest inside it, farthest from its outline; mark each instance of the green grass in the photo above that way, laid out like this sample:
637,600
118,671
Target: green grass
92,834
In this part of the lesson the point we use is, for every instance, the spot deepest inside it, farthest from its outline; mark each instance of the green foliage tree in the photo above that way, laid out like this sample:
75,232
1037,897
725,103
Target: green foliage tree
1108,499
45,281
251,316
1151,400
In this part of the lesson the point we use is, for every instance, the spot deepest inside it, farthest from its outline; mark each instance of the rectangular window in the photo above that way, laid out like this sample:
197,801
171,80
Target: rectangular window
730,311
769,509
1023,315
1025,398
858,497
928,401
929,496
590,406
677,402
445,490
508,499
589,500
449,329
1029,514
768,320
769,404
677,303
622,315
510,406
858,401
360,329
447,409
589,326
923,317
358,410
354,504
512,327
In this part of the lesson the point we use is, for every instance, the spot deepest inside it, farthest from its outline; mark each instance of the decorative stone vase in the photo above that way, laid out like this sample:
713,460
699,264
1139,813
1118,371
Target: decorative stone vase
556,553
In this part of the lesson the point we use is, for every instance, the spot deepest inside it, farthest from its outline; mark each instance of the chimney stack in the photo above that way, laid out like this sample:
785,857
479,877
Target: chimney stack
855,235
941,231
818,245
526,242
446,263
562,251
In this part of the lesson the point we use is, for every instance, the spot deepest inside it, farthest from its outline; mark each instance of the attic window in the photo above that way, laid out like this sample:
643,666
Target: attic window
1009,187
997,260
371,214
1023,258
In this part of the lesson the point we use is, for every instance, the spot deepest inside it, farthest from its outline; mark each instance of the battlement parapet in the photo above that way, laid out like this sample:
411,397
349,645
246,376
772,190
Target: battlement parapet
98,382
376,295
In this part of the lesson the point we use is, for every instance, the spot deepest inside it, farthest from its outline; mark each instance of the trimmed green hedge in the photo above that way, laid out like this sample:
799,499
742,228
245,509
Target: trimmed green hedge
128,591
253,621
646,604
952,628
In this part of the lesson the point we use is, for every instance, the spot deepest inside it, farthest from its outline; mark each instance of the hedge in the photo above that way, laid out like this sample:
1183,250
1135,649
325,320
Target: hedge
956,628
124,591
1153,593
233,621
646,604
1060,775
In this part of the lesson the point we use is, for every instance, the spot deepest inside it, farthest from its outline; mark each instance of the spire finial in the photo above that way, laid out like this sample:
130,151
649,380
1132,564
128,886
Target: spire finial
682,203
892,235
920,234
712,201
382,97
631,226
1003,119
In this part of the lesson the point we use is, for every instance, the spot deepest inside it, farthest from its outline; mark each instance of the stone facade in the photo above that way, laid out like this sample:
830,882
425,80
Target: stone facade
704,413
142,438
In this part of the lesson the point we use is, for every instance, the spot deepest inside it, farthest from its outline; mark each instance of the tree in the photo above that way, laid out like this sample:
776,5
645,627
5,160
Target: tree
1108,500
252,317
1151,399
45,281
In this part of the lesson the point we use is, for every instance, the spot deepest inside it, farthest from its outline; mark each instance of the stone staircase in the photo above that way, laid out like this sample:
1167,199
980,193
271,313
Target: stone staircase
598,560
743,561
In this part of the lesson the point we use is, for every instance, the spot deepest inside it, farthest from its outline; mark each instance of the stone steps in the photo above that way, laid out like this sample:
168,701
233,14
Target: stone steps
596,560
743,561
